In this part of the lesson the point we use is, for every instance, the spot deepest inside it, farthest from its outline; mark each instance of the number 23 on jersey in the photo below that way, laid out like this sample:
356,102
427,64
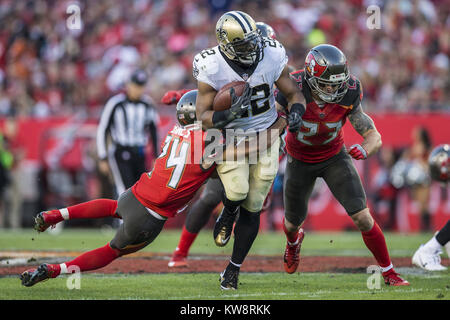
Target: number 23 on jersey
313,137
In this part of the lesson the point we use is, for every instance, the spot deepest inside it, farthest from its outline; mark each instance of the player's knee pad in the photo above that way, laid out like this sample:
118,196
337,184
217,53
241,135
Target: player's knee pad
234,177
136,237
253,203
131,248
260,187
236,188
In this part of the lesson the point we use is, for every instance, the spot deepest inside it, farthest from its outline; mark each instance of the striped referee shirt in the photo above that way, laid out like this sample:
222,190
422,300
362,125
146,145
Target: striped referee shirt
128,122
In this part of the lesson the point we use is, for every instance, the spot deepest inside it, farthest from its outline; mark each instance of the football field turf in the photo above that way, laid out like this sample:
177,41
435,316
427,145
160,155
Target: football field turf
18,250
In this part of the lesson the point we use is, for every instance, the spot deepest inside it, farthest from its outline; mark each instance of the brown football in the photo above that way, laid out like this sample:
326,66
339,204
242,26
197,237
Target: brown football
222,100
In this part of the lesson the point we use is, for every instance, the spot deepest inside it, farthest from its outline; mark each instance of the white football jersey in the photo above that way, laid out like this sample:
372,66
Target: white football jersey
210,67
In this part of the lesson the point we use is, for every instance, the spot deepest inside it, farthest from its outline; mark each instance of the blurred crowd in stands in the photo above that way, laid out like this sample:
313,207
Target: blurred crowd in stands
48,68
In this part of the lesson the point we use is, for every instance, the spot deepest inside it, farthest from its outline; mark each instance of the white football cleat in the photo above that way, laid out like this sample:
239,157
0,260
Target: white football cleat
430,261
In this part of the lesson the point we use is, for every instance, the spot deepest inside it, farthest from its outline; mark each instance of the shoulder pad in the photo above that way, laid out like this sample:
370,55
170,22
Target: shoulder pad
205,62
297,75
275,57
354,93
274,48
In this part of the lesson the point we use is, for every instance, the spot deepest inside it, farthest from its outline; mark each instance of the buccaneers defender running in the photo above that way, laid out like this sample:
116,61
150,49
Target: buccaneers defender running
144,208
317,150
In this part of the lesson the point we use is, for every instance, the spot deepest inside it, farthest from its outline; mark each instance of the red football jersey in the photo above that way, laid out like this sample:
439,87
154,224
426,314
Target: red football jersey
321,135
177,173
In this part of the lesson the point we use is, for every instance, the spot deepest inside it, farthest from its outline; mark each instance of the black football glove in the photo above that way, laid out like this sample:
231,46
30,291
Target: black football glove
239,105
295,117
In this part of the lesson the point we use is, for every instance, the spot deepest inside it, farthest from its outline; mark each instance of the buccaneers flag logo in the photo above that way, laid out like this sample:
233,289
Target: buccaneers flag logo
313,67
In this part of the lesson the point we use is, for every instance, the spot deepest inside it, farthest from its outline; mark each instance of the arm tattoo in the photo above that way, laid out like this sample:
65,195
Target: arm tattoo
361,121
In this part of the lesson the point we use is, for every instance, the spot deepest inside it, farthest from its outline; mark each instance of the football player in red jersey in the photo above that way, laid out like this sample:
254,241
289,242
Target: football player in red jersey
316,149
155,197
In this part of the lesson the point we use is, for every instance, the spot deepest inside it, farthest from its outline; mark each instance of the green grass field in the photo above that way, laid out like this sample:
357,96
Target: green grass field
205,286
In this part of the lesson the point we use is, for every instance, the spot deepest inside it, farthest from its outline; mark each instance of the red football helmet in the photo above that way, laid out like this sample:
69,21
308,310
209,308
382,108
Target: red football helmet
326,68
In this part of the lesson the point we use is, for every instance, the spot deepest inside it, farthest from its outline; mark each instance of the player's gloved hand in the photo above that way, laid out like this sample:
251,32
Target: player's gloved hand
240,104
295,117
357,152
171,97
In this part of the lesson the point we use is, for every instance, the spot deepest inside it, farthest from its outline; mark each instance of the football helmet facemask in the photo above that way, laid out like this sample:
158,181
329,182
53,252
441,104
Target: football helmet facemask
265,30
327,72
186,108
239,38
439,161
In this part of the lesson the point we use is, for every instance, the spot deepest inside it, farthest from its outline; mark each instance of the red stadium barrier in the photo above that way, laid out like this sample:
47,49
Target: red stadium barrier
396,129
65,141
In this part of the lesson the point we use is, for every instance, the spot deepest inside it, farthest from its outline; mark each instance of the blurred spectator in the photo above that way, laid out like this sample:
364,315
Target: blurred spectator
384,192
6,162
420,150
11,197
412,171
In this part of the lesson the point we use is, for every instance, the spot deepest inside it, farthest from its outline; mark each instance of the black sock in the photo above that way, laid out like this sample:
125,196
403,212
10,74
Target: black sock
245,232
443,235
230,205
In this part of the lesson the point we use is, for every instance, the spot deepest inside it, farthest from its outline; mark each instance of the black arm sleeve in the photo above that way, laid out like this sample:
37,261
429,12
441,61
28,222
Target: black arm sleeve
281,99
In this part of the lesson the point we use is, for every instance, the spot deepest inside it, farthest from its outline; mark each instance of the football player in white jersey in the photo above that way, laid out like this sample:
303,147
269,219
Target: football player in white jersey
242,54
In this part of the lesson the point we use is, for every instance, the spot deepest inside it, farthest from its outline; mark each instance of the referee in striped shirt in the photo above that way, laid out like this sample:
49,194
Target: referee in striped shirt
127,121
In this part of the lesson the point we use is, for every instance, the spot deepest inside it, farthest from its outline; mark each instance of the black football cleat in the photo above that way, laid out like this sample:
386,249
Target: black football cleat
31,277
229,279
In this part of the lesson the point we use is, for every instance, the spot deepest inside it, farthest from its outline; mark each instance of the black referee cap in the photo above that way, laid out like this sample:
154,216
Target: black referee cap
139,77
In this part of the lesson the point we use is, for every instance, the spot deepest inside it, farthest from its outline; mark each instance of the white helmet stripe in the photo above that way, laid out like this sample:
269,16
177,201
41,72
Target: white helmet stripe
246,20
239,19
